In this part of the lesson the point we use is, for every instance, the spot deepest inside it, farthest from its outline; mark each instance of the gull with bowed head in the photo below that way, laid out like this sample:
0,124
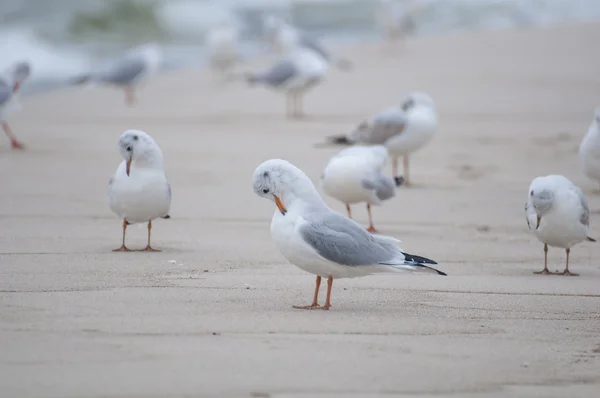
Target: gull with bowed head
11,80
558,214
139,191
402,129
589,149
320,241
128,71
355,175
222,42
296,73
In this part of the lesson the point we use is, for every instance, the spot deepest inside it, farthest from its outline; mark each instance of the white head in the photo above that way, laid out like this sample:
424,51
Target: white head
283,183
16,74
137,147
541,196
417,98
152,55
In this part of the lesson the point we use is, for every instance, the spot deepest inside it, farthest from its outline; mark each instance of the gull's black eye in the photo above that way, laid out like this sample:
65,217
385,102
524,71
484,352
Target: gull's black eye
129,149
265,190
135,137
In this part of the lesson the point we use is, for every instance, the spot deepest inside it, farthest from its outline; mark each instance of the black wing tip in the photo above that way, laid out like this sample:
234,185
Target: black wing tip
591,239
399,180
418,259
438,271
340,140
166,217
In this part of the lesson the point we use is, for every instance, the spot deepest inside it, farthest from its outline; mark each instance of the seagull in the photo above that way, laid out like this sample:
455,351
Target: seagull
139,190
222,44
301,70
558,214
128,71
393,20
320,241
589,149
286,37
11,80
401,129
354,175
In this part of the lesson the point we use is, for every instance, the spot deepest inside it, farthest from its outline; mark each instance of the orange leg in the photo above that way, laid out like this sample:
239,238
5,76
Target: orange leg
545,271
14,144
371,227
123,248
406,176
130,96
148,248
315,303
349,212
566,271
328,300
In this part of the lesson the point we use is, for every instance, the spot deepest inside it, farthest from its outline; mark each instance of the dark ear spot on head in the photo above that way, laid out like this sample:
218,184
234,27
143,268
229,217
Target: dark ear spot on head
266,174
531,193
135,137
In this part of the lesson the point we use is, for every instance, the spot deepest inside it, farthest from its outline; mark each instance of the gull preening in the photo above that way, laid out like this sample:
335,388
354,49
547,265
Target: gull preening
139,191
127,71
296,73
320,241
589,149
558,214
222,43
286,37
11,80
402,129
355,175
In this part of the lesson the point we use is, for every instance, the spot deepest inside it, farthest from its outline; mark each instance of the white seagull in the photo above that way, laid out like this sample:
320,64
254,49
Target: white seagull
320,241
286,37
558,214
402,129
11,80
355,175
301,70
139,190
589,149
222,43
395,21
128,71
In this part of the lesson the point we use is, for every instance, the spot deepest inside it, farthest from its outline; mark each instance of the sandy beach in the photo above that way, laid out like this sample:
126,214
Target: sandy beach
78,320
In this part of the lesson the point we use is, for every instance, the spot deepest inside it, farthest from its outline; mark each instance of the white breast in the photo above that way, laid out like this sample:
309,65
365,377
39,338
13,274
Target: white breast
561,226
589,153
342,180
420,127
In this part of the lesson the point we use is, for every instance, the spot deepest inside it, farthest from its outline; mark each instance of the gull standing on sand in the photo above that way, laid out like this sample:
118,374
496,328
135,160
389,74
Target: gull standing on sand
11,80
222,42
128,71
558,214
320,241
301,70
401,129
355,175
286,37
589,149
139,190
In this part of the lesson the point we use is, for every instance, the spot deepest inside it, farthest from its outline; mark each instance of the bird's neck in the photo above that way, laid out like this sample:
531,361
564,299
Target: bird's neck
149,160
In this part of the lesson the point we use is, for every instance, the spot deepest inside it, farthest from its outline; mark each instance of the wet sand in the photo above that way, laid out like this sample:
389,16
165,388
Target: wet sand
78,320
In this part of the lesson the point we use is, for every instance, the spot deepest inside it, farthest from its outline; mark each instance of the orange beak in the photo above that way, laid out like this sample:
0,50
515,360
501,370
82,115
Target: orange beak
128,165
16,86
280,205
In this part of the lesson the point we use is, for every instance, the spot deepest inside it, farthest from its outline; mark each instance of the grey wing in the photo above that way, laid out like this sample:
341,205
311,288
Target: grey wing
343,241
313,44
5,93
278,74
384,186
381,127
585,214
124,71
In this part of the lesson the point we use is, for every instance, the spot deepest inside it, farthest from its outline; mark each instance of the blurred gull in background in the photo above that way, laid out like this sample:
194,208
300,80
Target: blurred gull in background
355,175
11,80
296,73
222,43
589,149
128,71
